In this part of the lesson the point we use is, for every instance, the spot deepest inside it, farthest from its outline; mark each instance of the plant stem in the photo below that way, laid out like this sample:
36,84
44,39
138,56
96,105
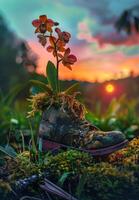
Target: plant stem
57,67
57,61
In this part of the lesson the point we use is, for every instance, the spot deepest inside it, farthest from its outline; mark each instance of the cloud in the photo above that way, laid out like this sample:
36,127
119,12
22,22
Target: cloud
84,31
91,66
117,39
131,51
105,13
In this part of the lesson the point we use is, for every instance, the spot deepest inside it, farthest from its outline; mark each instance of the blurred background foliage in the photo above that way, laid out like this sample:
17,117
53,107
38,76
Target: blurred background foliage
17,67
16,59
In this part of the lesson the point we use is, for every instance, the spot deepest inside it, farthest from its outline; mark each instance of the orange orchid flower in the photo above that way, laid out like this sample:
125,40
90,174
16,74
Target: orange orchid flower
63,36
43,24
56,45
68,59
42,39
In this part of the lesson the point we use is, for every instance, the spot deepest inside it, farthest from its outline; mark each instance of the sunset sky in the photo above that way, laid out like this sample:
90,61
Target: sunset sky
102,52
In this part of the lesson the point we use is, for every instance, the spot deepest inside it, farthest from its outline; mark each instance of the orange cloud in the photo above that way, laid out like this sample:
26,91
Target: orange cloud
90,67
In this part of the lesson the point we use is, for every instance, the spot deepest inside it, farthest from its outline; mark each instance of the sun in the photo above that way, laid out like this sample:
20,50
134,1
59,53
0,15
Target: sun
110,88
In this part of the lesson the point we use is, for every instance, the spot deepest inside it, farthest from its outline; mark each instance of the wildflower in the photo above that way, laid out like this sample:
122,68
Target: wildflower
43,24
63,36
68,59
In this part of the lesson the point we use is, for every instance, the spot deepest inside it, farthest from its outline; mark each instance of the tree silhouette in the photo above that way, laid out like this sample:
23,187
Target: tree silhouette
16,58
129,20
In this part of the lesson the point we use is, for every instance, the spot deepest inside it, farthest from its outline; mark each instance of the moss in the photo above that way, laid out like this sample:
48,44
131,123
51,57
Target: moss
107,182
42,101
70,161
103,180
128,156
117,176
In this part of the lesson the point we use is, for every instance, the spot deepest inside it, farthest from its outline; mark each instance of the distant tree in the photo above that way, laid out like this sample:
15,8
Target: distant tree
132,74
16,58
129,20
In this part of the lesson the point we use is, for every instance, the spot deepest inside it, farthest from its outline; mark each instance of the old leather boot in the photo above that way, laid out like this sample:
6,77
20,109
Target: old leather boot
62,127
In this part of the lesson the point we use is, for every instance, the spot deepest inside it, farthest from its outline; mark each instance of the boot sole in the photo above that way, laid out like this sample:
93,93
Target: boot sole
49,145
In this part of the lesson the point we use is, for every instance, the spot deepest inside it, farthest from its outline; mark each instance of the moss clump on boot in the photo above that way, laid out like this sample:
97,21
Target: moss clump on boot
67,103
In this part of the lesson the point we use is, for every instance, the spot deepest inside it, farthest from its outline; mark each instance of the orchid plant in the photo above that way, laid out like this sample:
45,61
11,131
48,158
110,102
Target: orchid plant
55,41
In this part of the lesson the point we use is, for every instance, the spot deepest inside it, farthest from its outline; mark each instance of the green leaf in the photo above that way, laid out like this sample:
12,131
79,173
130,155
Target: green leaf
8,150
8,99
63,178
41,85
81,184
40,144
52,76
89,117
34,148
72,88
